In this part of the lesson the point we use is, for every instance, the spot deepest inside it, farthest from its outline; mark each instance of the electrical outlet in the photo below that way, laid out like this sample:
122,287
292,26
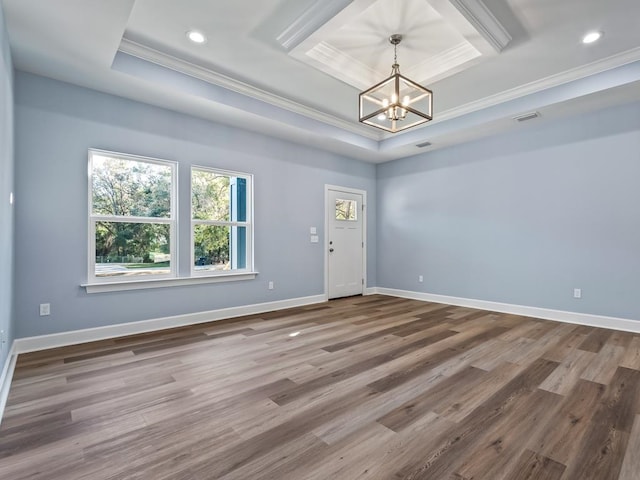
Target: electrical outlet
420,278
577,293
270,285
45,309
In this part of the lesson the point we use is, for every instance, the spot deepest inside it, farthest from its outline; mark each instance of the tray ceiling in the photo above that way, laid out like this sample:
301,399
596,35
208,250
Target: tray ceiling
438,40
293,68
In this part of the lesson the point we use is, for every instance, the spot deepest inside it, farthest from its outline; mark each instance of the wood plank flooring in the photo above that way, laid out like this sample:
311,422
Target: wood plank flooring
358,388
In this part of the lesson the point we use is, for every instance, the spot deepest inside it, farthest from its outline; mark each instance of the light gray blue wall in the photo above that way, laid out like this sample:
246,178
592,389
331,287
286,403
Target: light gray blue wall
55,125
6,187
521,218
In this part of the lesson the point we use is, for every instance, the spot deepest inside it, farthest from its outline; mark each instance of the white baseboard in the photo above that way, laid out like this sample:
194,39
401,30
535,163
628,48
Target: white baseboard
43,342
370,291
6,377
613,323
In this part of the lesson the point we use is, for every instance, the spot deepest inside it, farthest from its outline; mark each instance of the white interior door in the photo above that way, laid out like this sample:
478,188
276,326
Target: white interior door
345,243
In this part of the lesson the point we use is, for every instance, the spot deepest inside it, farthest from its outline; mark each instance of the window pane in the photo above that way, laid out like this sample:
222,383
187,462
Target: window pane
211,247
238,247
126,187
219,247
346,209
128,249
210,196
238,199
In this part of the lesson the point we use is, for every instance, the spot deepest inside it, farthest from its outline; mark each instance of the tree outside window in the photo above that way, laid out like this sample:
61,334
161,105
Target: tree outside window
133,221
220,220
132,216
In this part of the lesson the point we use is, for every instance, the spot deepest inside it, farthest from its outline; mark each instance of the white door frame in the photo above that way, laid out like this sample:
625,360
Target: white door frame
357,191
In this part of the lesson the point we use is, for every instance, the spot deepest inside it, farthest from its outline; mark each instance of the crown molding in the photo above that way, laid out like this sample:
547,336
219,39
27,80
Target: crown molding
157,57
311,20
568,76
343,66
162,59
477,13
350,70
444,64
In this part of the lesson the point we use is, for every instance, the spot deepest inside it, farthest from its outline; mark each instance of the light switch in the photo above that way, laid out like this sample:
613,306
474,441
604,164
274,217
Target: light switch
313,230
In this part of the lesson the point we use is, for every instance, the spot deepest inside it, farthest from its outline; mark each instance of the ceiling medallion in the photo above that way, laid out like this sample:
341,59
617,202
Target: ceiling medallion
396,103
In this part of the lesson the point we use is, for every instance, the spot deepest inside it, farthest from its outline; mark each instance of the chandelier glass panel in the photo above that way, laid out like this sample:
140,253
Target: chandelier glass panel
396,103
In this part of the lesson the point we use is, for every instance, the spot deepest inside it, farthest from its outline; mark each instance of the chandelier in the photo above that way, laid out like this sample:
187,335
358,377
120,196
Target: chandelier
396,103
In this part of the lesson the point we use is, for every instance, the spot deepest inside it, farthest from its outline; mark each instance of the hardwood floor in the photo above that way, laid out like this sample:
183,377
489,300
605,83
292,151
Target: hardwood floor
369,388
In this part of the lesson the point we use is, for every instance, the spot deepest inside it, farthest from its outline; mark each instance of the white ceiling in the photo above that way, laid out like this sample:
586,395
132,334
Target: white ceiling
294,68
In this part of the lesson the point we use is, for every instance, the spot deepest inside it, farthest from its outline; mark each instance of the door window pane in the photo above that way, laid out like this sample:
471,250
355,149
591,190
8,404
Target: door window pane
346,210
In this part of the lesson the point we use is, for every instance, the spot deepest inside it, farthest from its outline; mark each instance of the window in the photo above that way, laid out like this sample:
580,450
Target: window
221,228
132,219
133,224
346,210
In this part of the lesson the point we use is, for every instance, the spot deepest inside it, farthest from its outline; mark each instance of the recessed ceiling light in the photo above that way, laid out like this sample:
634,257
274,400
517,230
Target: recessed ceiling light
592,37
196,37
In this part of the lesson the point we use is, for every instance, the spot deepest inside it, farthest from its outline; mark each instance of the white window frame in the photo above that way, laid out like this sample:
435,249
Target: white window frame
248,224
172,221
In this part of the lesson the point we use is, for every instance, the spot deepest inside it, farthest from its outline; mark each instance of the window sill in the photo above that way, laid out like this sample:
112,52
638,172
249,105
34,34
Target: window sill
166,282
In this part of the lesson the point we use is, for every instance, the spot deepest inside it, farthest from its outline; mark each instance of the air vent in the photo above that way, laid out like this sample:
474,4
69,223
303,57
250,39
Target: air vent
423,144
526,116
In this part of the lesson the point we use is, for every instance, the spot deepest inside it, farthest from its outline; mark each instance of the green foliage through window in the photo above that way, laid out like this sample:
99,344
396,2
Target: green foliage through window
131,215
134,226
130,188
219,213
